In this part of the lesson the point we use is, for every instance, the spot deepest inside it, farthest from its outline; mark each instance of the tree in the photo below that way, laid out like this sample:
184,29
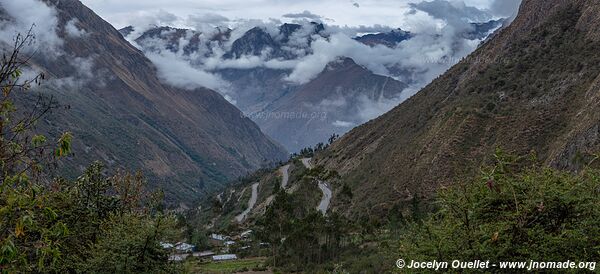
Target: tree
333,138
31,232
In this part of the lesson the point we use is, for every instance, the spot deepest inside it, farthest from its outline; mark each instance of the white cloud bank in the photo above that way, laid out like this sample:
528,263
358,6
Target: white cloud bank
25,14
437,43
41,19
370,12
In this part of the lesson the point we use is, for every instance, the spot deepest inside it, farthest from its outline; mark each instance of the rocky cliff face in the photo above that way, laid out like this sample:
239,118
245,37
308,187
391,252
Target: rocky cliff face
186,141
534,87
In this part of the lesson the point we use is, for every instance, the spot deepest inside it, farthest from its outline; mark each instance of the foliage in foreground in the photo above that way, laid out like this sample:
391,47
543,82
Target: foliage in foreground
512,213
96,223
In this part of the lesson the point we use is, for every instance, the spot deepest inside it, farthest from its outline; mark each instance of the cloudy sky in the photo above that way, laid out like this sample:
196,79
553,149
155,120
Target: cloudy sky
334,12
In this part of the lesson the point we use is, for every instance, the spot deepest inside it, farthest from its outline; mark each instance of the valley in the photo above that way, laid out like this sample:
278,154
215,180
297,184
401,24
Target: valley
262,137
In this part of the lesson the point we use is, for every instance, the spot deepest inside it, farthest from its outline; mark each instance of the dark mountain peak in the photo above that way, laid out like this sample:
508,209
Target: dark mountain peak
126,31
172,37
257,32
341,63
388,39
254,42
221,34
286,30
483,29
394,37
319,27
165,32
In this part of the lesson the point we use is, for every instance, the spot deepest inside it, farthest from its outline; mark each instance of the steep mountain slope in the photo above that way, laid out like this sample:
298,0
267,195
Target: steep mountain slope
334,102
186,141
534,86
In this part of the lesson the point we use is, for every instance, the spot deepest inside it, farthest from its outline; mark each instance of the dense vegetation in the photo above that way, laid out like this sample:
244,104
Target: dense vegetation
513,211
299,237
97,223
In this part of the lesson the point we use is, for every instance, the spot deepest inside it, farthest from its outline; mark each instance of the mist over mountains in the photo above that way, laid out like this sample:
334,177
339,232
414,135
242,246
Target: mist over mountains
257,65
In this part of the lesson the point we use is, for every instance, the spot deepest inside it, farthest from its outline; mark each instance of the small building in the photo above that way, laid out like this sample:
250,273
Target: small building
178,257
217,239
228,243
166,245
203,254
224,257
184,247
246,234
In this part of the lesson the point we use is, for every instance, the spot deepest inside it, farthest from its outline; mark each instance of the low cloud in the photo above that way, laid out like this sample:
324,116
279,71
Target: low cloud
42,19
343,124
72,30
25,14
207,22
179,73
303,15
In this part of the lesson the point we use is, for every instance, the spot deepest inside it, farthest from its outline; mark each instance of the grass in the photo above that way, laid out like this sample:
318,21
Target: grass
231,266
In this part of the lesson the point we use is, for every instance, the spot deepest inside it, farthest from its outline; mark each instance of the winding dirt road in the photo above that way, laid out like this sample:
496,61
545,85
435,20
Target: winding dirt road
286,175
240,218
327,193
306,162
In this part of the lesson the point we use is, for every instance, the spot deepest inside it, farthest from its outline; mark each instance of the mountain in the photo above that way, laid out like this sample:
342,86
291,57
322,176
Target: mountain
483,30
535,86
299,116
257,41
158,38
126,31
329,104
254,42
186,141
256,88
255,68
388,39
393,38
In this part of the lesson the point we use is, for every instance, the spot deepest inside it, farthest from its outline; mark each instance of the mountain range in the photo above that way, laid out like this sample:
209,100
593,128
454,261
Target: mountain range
296,114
